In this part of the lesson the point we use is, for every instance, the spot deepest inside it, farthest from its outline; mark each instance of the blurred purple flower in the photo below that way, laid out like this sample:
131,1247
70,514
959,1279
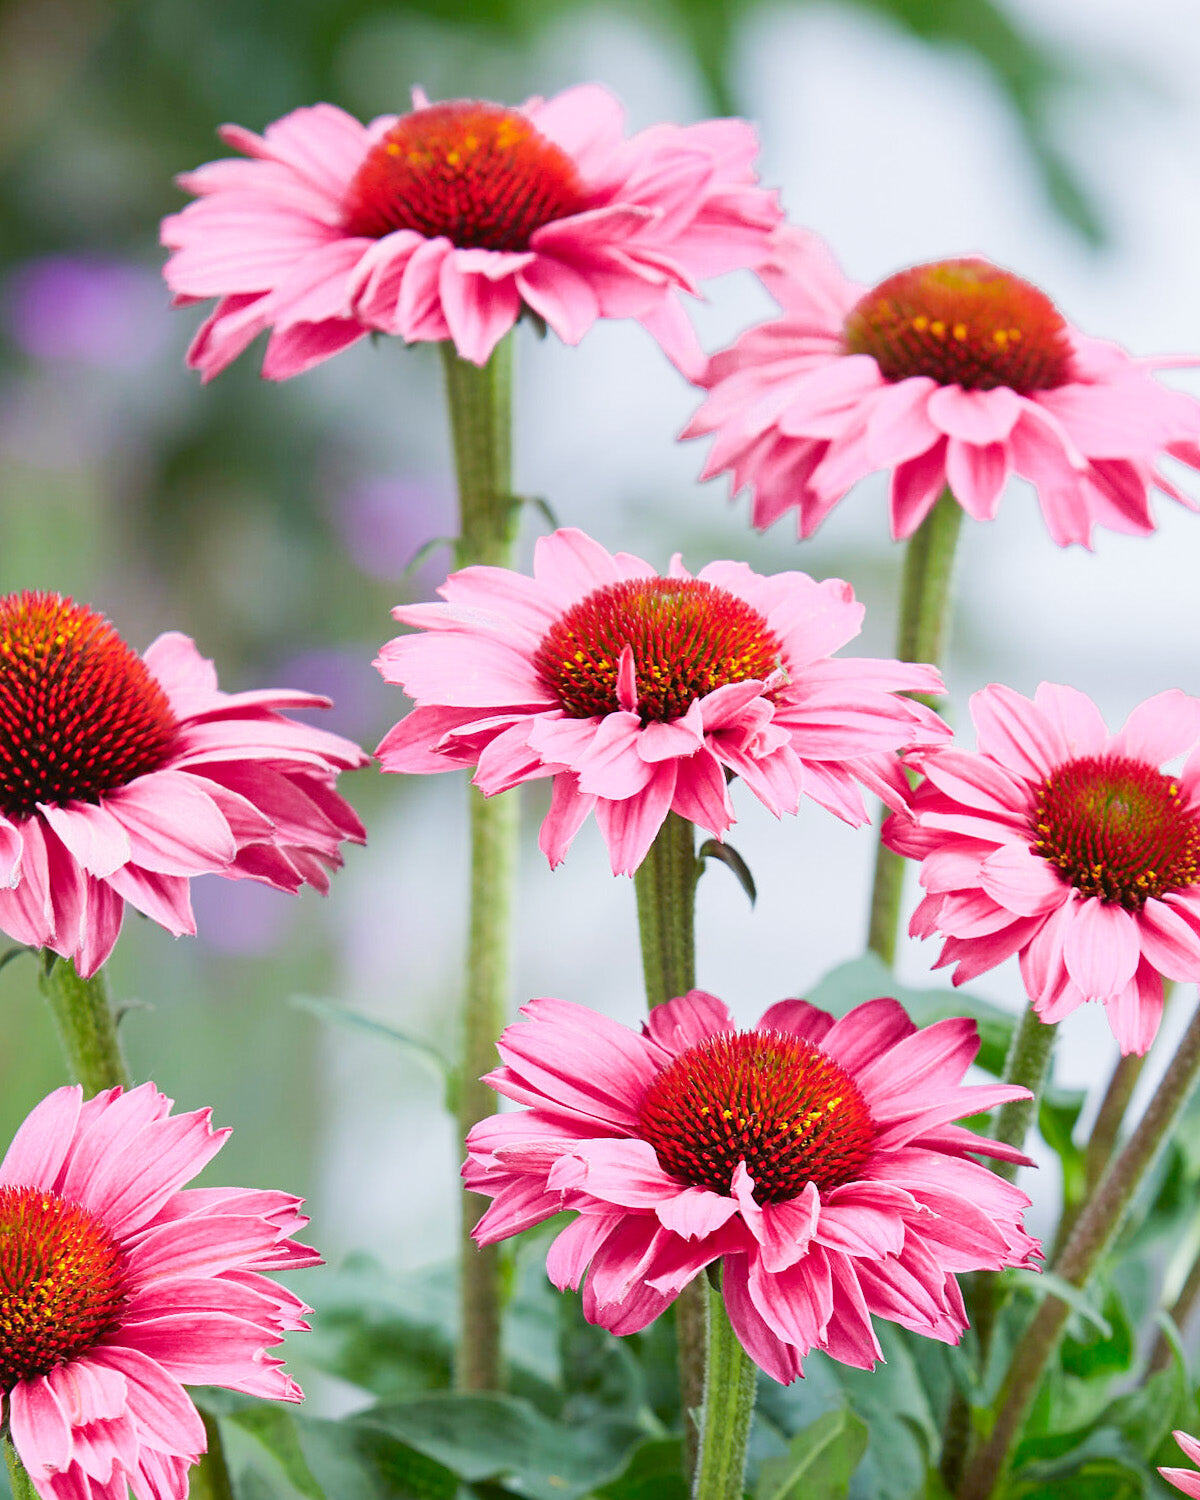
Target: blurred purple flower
361,703
95,310
384,522
241,917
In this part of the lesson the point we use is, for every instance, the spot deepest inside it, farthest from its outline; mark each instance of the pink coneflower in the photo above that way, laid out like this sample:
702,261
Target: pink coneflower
1187,1480
447,222
1068,845
639,694
123,776
816,1157
953,373
117,1284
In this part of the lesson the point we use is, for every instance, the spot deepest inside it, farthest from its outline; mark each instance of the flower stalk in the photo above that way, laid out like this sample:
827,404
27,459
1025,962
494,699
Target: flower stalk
1094,1232
1027,1064
480,406
86,1026
922,634
665,883
730,1385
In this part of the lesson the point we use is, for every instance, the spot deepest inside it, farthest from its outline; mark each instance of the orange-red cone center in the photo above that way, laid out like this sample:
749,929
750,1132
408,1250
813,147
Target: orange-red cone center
483,176
80,713
773,1101
962,322
60,1282
1117,829
688,638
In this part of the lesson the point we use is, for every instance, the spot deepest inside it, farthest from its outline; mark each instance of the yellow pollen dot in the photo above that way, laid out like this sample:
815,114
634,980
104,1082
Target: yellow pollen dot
960,331
453,158
1000,338
938,328
920,322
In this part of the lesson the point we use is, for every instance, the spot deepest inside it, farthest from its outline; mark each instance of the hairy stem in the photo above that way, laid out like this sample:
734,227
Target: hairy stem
924,626
1094,1232
86,1026
480,404
665,883
1027,1064
730,1386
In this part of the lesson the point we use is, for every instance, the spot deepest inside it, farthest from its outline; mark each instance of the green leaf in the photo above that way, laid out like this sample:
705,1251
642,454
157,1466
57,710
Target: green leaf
732,860
492,1437
868,977
654,1472
1094,1354
1046,1283
353,1020
819,1460
274,1453
1058,1115
388,1333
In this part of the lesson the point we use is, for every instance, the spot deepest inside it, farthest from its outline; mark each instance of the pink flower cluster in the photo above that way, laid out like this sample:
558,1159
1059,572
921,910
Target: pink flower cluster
955,374
121,777
1067,845
447,222
118,1286
816,1158
641,694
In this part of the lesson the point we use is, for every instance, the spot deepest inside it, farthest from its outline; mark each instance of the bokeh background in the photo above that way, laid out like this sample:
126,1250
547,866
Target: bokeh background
275,524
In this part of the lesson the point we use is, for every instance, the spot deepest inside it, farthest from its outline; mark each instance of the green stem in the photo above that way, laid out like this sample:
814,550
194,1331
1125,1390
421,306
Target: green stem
1028,1064
18,1480
1094,1232
85,1022
1101,1142
665,883
730,1384
666,900
480,404
924,626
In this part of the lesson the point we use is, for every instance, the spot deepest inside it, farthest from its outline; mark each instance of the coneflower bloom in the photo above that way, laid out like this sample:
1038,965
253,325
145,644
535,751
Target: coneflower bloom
954,373
118,1285
121,776
641,694
1067,845
817,1159
449,221
1187,1480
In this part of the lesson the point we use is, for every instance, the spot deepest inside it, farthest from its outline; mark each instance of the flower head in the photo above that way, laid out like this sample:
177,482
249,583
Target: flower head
817,1158
956,373
1068,845
1187,1480
641,694
118,1285
121,776
447,222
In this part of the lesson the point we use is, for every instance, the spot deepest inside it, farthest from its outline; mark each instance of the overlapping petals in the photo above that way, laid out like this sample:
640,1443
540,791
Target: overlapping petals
269,237
244,792
197,1307
816,727
1187,1480
807,1272
990,894
798,421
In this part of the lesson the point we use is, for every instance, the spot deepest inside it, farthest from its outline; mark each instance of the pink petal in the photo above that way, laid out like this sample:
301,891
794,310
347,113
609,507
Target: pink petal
977,418
688,1020
1100,947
